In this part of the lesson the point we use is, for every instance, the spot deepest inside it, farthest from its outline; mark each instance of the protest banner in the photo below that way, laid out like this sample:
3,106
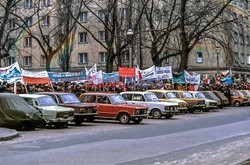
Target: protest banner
110,77
194,78
67,76
164,73
126,72
148,73
32,77
11,73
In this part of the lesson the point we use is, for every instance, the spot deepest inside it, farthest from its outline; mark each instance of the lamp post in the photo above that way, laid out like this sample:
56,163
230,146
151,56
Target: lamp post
130,34
218,49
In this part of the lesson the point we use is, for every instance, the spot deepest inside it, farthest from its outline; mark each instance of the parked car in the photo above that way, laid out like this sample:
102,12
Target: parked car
52,113
82,111
246,94
156,109
237,98
209,104
166,96
210,95
193,103
223,99
113,106
16,113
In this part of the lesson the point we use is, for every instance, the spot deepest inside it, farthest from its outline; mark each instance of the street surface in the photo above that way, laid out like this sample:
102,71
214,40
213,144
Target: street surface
219,137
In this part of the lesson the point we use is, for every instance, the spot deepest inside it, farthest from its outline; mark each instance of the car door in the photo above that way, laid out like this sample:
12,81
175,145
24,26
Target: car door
139,99
128,97
105,108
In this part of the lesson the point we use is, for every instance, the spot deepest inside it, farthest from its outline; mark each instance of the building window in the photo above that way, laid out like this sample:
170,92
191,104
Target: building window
124,13
248,59
83,17
28,4
158,15
45,3
83,58
46,20
101,35
12,23
83,37
27,61
102,57
45,40
236,38
242,58
27,41
125,56
247,40
43,60
10,61
242,39
28,21
101,15
199,58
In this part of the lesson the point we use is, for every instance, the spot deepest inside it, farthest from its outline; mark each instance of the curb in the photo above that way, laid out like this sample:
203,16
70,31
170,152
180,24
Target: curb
10,134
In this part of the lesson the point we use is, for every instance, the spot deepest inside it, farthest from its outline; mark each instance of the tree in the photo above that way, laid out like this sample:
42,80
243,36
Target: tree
182,25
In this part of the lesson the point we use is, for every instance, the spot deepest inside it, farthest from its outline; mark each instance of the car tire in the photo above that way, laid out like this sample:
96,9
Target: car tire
236,103
27,126
168,116
90,119
78,120
191,110
136,121
124,118
156,114
206,110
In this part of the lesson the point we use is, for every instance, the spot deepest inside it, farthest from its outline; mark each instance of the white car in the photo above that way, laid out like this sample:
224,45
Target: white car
156,109
209,104
52,113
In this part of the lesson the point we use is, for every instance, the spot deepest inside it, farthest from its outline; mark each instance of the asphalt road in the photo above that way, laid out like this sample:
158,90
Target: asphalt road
221,137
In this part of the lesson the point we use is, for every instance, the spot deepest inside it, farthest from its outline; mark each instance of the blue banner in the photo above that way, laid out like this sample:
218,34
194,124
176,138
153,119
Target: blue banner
179,78
227,80
11,73
110,77
67,76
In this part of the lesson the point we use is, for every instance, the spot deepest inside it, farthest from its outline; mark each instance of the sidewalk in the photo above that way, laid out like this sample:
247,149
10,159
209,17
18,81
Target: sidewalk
7,134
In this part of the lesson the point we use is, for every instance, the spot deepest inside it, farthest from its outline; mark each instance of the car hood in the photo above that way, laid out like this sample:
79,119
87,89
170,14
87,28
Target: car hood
130,106
80,105
57,108
174,100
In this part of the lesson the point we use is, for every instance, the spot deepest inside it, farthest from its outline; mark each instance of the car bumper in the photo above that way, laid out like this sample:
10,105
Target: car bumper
61,120
210,107
85,114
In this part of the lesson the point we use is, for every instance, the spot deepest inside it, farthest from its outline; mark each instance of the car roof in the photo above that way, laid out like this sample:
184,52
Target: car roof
136,92
52,93
32,96
100,93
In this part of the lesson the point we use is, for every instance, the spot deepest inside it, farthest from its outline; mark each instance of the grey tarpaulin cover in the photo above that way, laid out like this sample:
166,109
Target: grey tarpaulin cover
14,110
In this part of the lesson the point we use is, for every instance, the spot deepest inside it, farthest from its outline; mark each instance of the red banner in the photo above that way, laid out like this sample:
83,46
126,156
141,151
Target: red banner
126,72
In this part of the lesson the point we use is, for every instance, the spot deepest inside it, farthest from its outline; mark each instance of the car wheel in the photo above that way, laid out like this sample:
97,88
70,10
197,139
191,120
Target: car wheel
136,121
206,110
78,120
90,119
236,103
168,116
124,118
191,110
27,126
156,114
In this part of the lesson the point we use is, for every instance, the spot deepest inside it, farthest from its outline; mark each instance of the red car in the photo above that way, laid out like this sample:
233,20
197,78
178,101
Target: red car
113,106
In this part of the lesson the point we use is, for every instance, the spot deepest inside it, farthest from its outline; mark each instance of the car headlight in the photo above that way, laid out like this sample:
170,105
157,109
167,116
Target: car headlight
137,112
82,110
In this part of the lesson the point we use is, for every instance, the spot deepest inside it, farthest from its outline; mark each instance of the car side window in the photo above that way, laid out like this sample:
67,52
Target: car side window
103,100
127,97
160,95
54,98
234,93
177,94
29,101
138,97
90,99
59,99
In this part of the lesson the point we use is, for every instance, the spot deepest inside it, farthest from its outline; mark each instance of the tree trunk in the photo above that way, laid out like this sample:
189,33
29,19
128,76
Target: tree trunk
48,61
155,58
110,61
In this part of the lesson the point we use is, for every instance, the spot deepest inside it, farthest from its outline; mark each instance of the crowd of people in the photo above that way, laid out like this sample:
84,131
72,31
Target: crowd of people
78,88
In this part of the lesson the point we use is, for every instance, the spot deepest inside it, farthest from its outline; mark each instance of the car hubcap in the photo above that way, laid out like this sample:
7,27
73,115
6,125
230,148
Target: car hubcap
124,119
156,114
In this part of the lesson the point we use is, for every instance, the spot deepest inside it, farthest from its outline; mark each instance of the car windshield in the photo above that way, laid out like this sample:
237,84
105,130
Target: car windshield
69,99
151,97
46,101
244,93
171,95
117,99
248,92
187,95
200,95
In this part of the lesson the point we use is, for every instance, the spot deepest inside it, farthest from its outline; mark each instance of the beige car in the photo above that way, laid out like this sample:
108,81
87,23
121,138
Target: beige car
166,96
193,103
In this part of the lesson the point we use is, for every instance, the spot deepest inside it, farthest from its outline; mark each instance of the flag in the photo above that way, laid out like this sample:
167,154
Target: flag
91,70
32,77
